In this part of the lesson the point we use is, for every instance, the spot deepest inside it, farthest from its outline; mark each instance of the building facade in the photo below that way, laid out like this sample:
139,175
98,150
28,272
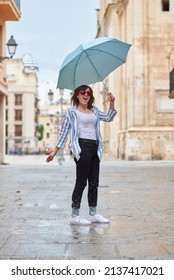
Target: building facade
22,106
144,125
50,117
9,11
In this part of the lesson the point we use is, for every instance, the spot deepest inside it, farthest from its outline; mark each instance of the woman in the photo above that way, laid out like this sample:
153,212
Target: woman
83,123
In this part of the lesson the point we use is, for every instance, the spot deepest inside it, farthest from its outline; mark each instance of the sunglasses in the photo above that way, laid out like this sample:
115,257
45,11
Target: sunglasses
83,92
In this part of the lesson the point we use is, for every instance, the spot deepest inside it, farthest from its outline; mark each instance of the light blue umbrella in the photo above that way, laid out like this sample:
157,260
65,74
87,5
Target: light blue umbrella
92,62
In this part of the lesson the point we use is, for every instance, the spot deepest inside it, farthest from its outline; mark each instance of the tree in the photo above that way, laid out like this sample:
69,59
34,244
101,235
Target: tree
41,131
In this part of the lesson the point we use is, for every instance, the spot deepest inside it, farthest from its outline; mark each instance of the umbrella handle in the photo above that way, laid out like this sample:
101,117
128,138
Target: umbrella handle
105,87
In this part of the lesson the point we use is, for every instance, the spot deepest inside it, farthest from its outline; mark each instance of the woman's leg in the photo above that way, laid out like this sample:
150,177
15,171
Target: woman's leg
93,182
93,192
83,166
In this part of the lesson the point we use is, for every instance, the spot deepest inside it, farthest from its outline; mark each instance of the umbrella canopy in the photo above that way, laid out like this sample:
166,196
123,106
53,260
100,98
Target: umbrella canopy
92,62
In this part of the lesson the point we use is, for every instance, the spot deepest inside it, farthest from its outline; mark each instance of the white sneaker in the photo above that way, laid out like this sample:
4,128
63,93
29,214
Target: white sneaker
97,219
79,220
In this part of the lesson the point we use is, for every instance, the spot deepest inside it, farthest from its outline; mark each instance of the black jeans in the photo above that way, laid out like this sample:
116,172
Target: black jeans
87,169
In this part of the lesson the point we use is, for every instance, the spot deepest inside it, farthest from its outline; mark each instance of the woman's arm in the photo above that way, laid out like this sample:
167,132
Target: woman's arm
109,116
111,99
63,136
52,154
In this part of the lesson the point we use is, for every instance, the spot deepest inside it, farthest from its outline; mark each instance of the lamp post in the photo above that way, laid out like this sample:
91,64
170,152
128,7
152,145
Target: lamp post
60,101
50,96
11,45
37,135
61,92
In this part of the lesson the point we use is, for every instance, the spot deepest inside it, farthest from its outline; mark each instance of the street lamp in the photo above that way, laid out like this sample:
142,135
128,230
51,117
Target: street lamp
11,45
50,95
60,101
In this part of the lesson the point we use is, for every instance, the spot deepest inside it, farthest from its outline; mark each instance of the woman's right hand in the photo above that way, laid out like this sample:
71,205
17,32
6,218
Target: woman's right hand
52,155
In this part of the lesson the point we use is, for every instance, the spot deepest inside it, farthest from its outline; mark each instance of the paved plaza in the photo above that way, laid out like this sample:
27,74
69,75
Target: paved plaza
35,205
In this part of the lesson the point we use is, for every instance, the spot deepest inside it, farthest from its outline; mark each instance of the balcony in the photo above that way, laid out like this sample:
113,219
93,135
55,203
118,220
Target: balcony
10,10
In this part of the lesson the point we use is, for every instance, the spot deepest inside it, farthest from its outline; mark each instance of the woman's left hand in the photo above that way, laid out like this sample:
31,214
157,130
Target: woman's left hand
111,99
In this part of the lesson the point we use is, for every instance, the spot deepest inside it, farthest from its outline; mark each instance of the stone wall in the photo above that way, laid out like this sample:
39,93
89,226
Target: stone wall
146,145
144,126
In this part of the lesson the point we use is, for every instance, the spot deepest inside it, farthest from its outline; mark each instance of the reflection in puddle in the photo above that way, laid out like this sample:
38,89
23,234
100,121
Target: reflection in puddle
99,228
93,229
79,229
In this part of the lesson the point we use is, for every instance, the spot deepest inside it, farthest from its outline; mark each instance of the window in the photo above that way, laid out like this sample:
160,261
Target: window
172,80
6,130
6,115
18,130
165,6
171,92
18,115
47,135
18,99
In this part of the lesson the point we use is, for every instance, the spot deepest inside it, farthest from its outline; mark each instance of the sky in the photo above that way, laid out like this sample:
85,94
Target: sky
49,31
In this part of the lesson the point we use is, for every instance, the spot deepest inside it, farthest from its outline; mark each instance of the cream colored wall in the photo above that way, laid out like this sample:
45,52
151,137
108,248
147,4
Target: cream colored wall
10,11
3,91
3,54
2,127
28,115
50,126
51,121
22,82
143,128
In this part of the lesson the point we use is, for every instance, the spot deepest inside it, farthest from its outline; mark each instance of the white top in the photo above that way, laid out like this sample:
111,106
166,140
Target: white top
70,126
87,125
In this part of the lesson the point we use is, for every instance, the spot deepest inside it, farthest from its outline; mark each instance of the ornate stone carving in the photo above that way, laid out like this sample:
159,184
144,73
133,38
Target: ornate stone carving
120,6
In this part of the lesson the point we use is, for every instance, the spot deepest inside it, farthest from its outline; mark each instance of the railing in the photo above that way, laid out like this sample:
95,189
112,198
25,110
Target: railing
18,3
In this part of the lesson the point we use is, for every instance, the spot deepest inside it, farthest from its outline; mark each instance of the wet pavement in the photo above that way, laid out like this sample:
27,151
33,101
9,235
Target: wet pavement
137,197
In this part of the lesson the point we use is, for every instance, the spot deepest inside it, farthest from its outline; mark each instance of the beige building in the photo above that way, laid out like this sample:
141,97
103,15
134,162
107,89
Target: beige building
9,11
50,117
144,126
22,106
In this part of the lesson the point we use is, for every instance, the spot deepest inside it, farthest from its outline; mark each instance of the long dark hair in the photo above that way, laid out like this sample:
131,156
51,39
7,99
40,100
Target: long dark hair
75,100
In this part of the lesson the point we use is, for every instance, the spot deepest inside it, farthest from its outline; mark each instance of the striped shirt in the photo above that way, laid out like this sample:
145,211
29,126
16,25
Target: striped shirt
70,126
